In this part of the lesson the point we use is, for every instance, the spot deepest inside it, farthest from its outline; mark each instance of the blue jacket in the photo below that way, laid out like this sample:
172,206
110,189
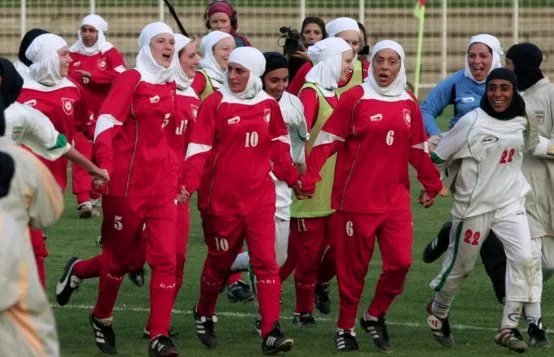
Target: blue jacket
456,89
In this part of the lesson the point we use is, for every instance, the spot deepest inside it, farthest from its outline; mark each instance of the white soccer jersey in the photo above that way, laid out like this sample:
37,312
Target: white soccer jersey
27,126
489,153
293,115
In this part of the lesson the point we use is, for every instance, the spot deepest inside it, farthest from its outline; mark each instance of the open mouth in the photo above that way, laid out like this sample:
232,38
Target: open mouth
167,56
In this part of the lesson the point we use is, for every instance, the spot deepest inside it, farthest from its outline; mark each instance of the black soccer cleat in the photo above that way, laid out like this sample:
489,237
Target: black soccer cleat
104,336
68,282
162,346
345,341
205,329
276,342
303,319
512,339
321,298
239,292
173,333
435,248
137,277
537,335
440,328
378,332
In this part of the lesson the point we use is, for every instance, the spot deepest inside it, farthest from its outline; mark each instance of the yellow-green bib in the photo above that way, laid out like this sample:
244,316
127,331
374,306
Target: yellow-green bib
357,78
209,88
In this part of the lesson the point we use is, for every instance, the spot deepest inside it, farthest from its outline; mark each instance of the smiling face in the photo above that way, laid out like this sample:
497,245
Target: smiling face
386,65
222,50
189,59
65,61
352,38
312,33
237,76
162,48
220,21
479,59
276,82
89,35
499,94
347,64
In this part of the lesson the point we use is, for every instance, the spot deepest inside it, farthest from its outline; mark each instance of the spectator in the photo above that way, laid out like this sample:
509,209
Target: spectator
220,15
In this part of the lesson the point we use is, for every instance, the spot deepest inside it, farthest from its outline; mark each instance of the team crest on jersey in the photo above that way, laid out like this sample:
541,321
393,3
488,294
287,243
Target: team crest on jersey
539,114
67,105
31,102
267,115
194,110
102,63
407,116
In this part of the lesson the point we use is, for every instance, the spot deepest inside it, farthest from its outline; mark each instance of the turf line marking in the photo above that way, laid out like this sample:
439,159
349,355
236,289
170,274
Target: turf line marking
252,316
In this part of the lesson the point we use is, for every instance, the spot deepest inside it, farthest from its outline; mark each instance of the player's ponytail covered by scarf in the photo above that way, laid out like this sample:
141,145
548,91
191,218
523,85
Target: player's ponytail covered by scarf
254,61
146,64
494,46
182,81
43,53
341,24
517,105
11,83
398,85
26,42
527,59
327,55
101,44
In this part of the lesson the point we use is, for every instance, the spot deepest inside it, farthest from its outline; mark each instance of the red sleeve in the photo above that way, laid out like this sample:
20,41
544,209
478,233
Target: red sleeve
299,79
365,68
114,60
427,173
188,136
201,142
310,101
198,83
112,115
331,137
279,149
83,120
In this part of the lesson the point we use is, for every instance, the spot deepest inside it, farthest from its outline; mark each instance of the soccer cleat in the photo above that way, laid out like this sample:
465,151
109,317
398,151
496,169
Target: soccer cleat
162,346
104,336
173,333
137,277
378,331
276,341
345,341
68,282
512,339
537,335
239,292
321,298
440,328
258,325
87,210
435,248
205,329
303,319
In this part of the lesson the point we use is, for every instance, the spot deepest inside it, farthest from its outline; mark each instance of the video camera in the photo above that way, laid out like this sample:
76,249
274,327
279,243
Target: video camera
293,40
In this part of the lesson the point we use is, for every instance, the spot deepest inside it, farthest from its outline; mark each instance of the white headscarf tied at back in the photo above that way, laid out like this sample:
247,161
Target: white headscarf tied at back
150,70
327,54
101,45
182,81
43,52
253,60
491,42
209,63
340,24
398,85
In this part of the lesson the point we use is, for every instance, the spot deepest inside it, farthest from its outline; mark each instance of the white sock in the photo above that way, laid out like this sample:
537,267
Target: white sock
511,314
532,312
441,304
241,262
368,317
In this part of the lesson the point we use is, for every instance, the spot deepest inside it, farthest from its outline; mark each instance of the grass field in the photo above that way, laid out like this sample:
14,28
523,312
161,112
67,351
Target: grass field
476,314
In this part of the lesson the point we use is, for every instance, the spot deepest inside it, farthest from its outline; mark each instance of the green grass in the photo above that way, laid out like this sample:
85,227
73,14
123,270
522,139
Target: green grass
475,307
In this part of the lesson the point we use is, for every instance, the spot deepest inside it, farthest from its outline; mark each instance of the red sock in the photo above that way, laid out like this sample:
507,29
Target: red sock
269,295
41,270
108,289
234,277
162,296
304,295
82,197
380,304
347,314
327,270
287,268
89,268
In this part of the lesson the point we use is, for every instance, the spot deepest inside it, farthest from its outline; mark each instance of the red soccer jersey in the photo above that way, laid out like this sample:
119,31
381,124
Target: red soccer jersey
376,138
243,140
103,67
131,141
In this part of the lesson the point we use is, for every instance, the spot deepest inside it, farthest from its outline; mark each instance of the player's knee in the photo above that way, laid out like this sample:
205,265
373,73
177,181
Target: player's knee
266,269
166,265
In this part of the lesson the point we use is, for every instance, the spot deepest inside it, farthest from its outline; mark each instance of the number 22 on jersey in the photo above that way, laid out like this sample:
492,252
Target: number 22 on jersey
507,156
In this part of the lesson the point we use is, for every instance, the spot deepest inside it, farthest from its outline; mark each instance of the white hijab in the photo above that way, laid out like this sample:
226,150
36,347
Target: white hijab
253,60
150,70
341,24
327,54
496,49
398,85
101,45
209,63
182,81
43,52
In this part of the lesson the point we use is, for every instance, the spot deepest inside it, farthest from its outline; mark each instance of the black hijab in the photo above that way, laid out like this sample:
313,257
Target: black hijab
517,106
7,165
11,82
527,59
26,42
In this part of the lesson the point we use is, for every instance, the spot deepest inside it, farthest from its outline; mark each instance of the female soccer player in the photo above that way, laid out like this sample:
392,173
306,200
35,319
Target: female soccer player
376,128
488,144
240,135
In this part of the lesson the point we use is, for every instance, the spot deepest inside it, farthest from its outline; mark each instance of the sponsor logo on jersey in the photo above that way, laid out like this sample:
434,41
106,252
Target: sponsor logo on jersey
489,139
67,105
468,99
76,64
31,102
233,120
407,116
194,110
520,213
376,117
102,63
267,115
155,99
539,114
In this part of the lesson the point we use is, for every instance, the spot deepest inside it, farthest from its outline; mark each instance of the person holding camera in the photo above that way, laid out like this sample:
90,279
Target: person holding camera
220,15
